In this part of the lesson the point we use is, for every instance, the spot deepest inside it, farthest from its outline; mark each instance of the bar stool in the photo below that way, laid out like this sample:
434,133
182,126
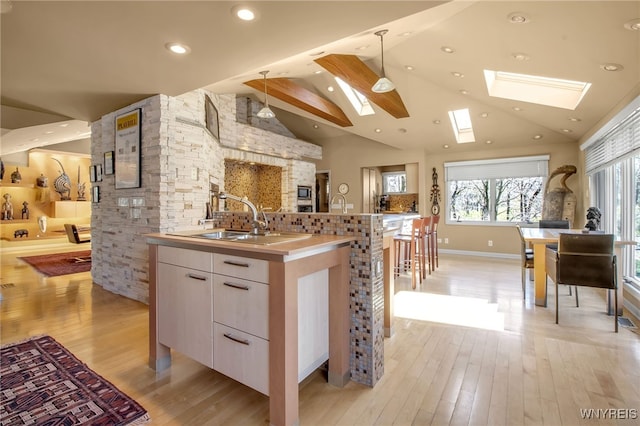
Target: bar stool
409,249
427,254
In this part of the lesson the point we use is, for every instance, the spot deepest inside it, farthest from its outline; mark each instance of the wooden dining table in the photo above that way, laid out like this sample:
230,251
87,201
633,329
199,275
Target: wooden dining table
539,238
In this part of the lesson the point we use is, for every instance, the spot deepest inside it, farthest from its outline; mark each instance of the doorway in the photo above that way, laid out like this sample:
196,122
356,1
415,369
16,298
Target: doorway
323,183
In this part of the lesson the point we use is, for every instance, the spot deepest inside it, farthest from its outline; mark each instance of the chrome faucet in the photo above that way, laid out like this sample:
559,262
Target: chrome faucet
344,202
258,226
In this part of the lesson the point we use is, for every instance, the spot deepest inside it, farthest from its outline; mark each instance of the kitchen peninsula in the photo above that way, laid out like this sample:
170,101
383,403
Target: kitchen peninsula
222,335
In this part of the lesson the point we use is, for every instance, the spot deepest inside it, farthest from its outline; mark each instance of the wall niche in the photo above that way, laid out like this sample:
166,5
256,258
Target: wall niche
260,183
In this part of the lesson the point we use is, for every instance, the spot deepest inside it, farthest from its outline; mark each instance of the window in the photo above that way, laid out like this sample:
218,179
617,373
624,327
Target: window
462,127
394,183
612,158
496,191
359,102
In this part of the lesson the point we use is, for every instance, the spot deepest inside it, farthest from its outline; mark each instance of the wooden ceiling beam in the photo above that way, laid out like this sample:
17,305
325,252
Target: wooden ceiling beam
288,91
358,75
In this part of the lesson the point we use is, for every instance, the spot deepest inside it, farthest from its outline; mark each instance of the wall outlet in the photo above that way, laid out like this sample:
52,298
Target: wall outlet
439,240
490,242
446,241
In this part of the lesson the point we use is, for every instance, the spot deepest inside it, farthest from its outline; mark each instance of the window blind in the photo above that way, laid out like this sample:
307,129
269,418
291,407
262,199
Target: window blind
622,140
501,168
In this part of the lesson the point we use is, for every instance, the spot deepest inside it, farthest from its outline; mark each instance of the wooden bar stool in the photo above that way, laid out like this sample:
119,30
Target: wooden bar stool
412,247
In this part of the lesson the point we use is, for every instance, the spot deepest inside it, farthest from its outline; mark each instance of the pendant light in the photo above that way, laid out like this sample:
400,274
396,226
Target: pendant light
266,111
383,85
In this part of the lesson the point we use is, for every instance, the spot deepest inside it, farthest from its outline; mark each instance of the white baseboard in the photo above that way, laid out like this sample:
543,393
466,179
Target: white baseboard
480,253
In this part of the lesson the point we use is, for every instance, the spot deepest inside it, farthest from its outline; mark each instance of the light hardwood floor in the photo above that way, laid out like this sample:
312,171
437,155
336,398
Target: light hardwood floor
528,372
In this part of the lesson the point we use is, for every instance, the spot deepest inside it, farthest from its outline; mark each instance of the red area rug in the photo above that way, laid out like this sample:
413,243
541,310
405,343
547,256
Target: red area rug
42,383
56,264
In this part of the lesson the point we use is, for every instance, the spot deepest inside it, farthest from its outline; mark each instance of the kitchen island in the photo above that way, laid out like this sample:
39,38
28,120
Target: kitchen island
287,274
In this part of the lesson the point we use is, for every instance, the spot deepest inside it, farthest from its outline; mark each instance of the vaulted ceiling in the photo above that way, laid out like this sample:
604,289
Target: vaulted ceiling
80,60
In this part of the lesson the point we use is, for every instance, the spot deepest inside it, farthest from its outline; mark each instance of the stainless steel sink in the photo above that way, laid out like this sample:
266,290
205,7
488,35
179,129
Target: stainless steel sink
247,238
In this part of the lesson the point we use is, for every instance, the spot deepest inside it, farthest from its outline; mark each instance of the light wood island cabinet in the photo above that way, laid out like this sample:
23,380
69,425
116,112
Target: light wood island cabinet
266,316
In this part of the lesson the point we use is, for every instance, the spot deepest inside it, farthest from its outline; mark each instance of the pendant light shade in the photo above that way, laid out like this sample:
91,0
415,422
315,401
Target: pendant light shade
383,85
266,111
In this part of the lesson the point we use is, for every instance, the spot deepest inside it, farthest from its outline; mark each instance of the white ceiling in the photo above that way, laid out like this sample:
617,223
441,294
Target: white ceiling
66,61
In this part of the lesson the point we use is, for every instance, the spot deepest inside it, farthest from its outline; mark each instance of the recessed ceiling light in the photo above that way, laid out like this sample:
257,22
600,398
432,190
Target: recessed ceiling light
315,126
488,141
178,48
402,130
633,25
364,47
405,34
484,114
64,125
567,130
48,132
317,72
464,91
436,121
447,49
611,67
378,130
518,18
34,140
537,137
408,67
575,119
330,88
457,74
517,109
283,73
520,56
244,13
445,146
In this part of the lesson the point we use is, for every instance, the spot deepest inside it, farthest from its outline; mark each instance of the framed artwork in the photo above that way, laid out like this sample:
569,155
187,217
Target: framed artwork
98,172
95,194
92,174
108,163
127,153
211,117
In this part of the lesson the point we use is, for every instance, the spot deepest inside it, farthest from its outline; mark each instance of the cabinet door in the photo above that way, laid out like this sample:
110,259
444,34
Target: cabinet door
185,311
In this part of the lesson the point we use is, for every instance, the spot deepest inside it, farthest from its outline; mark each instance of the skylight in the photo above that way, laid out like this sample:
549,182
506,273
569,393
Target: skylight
462,127
548,91
358,101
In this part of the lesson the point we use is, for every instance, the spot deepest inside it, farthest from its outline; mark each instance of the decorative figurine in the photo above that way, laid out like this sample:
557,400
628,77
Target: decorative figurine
81,191
62,184
42,181
560,203
42,224
16,177
435,194
25,210
593,219
20,233
7,208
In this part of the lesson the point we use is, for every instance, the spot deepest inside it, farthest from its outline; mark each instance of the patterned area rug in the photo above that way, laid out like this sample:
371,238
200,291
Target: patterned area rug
42,383
56,264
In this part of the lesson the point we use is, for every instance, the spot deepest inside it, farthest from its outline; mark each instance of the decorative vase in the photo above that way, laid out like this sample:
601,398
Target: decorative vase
42,224
16,177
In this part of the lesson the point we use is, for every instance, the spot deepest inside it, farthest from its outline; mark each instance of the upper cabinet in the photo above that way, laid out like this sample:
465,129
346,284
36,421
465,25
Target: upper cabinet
411,170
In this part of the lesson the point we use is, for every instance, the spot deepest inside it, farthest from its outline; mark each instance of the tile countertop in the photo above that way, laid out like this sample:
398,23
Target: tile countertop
289,250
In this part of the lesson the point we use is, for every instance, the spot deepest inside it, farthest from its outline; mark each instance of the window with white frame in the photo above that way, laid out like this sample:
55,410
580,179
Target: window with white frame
394,182
612,158
497,190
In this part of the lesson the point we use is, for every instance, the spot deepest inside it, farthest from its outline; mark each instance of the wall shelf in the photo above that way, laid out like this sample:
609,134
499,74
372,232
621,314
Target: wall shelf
17,185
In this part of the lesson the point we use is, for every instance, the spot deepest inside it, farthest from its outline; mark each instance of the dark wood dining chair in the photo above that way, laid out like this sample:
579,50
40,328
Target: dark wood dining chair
73,235
526,255
584,260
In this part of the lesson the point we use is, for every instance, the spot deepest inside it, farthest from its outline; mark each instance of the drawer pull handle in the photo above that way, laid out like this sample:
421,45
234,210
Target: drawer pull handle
197,277
238,286
231,262
236,339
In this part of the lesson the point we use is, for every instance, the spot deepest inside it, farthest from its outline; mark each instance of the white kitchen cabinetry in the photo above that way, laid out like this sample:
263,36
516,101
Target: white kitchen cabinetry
185,308
413,181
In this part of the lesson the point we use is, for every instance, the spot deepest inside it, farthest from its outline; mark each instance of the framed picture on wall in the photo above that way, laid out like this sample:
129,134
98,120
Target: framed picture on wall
95,194
92,174
211,117
127,153
108,163
98,172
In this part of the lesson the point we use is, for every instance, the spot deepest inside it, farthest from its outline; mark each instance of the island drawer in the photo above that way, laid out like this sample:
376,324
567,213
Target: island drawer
241,267
241,356
193,259
241,304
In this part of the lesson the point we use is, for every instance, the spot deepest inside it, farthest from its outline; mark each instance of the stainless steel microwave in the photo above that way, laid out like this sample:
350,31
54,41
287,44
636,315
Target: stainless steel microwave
304,193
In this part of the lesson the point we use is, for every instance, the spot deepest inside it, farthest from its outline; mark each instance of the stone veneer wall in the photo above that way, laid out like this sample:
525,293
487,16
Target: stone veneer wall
366,289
